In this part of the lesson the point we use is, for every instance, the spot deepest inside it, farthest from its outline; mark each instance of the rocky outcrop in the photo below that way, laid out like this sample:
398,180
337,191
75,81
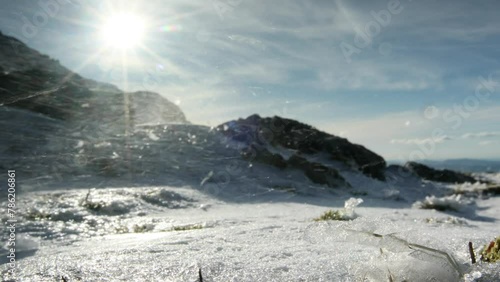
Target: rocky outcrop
317,172
263,156
304,139
446,176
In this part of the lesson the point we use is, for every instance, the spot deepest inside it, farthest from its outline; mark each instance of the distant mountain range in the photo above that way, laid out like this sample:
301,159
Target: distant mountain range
463,164
466,165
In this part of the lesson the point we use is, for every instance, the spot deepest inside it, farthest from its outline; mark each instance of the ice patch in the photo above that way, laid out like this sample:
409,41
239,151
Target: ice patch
153,136
448,220
102,144
483,272
79,144
209,175
390,257
24,242
349,206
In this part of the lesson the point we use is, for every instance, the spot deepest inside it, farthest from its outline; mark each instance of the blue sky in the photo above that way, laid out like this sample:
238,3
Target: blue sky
407,79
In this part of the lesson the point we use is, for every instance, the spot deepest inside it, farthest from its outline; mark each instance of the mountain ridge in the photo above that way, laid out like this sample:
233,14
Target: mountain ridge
34,81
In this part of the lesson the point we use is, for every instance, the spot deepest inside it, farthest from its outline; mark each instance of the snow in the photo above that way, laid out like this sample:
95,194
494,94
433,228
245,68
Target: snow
268,238
495,177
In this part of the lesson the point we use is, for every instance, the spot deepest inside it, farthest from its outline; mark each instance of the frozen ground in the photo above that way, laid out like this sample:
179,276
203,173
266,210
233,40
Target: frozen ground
168,234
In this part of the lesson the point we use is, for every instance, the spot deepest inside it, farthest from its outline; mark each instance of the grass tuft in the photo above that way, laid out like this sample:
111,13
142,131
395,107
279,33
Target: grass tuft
187,227
35,214
91,205
491,252
332,215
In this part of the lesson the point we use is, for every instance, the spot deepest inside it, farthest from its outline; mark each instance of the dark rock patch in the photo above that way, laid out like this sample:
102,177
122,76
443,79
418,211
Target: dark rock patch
317,172
445,176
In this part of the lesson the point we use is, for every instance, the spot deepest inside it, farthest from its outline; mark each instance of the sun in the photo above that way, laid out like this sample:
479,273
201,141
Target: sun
123,31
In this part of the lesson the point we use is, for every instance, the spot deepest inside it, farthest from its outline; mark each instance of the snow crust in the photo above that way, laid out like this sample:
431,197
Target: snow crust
132,238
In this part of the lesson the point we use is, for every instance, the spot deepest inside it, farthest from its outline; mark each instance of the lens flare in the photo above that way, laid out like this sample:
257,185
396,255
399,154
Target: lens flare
171,28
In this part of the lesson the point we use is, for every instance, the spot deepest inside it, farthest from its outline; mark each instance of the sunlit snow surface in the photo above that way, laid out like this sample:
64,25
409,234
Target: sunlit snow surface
168,234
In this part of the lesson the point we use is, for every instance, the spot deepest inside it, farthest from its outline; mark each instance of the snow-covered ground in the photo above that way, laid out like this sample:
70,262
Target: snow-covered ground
168,234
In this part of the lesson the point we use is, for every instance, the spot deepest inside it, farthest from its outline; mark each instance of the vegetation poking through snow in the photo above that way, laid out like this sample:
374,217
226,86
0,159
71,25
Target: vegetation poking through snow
477,189
491,252
121,229
347,213
200,277
136,228
332,215
447,220
35,214
471,253
449,203
187,227
93,206
142,228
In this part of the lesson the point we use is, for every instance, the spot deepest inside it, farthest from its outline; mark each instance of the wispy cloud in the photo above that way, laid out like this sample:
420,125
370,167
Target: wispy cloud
417,141
481,134
488,143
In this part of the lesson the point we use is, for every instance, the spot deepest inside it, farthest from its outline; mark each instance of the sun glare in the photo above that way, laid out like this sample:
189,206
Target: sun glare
123,31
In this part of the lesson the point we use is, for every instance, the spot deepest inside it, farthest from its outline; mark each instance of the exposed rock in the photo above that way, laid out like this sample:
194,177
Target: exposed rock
399,170
446,176
264,156
493,189
317,172
305,139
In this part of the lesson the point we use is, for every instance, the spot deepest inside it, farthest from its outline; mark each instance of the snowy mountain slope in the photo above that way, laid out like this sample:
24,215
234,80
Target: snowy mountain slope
16,56
33,81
